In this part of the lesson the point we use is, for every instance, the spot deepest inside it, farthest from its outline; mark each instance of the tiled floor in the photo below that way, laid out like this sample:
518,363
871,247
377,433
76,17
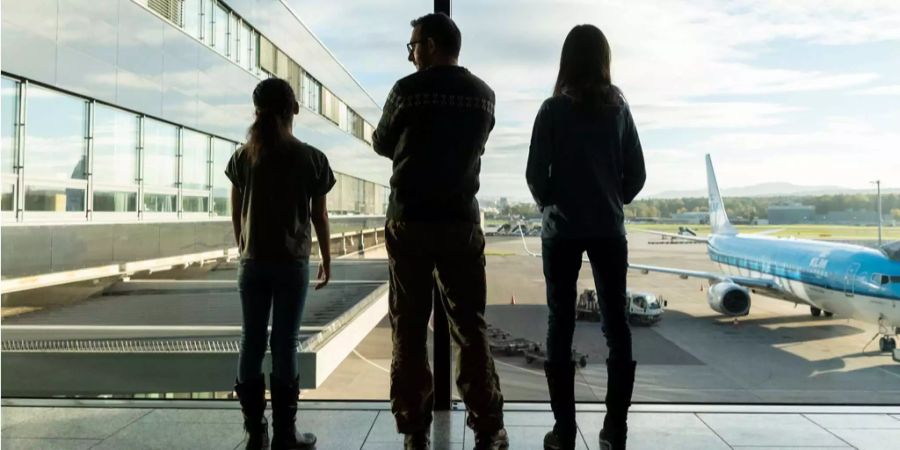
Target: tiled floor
371,426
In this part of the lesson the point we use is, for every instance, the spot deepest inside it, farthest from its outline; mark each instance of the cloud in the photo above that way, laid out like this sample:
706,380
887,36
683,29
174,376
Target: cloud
709,115
890,89
844,151
702,68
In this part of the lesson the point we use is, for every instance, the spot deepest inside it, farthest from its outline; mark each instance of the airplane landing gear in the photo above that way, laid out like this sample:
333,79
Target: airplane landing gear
816,312
887,344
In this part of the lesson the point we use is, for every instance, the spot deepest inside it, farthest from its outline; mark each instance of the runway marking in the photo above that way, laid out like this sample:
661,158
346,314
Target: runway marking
889,372
370,361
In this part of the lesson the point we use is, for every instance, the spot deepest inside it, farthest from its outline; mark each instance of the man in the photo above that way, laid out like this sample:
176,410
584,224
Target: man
434,127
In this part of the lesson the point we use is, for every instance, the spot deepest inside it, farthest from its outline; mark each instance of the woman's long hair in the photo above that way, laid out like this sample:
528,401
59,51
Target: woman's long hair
274,101
584,69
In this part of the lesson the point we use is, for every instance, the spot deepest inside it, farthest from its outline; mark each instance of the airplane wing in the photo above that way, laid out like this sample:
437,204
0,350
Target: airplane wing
758,285
675,235
762,286
748,282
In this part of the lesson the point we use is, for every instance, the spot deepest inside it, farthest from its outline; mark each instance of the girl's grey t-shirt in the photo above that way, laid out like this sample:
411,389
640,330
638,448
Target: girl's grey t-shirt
277,192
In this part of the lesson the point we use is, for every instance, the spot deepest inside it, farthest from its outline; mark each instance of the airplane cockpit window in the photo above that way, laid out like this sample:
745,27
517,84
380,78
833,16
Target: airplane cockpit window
878,278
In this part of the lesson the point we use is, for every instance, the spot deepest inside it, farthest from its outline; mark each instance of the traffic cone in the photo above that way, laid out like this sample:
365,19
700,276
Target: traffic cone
512,300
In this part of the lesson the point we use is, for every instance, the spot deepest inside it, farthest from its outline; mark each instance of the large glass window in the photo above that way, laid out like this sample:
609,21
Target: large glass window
367,132
248,46
195,155
54,198
9,118
115,146
313,91
8,195
220,27
10,114
206,21
113,201
160,154
234,38
282,65
331,106
191,18
222,151
266,54
55,151
115,159
295,73
55,135
160,172
344,113
194,204
161,203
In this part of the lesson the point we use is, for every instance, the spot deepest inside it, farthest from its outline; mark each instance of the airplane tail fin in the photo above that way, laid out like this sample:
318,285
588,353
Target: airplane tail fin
718,219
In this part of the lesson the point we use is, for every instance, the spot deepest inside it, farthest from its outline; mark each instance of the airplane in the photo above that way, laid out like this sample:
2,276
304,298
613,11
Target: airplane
850,280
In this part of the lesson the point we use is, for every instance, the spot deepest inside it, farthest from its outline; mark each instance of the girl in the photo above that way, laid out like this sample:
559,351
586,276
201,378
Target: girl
584,164
279,187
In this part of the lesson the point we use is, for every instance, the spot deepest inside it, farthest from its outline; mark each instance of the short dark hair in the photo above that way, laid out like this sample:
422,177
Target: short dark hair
441,28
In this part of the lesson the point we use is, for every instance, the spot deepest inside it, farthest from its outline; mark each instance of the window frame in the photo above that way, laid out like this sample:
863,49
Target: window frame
194,214
14,177
198,20
183,192
172,190
159,215
25,182
212,177
62,216
217,9
234,37
116,187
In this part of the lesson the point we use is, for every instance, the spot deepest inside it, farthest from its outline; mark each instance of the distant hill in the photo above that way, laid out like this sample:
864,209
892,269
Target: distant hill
772,190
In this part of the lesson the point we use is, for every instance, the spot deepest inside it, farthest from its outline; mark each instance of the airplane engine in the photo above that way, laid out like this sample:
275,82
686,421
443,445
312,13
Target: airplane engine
729,299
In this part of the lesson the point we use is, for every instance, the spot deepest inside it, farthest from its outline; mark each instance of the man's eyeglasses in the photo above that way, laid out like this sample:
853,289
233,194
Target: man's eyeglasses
410,46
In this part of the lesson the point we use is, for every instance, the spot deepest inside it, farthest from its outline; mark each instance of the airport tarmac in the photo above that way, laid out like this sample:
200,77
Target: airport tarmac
777,354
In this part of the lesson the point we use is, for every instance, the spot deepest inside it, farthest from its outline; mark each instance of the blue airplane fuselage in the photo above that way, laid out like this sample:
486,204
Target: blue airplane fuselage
849,280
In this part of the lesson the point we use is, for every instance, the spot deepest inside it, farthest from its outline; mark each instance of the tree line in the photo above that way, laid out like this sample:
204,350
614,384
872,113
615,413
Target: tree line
750,208
739,208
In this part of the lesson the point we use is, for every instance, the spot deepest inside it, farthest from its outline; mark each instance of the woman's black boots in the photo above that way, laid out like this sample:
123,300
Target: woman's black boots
561,384
252,395
619,387
284,413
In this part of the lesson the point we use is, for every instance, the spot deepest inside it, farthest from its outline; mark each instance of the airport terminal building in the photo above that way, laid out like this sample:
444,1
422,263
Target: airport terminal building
118,118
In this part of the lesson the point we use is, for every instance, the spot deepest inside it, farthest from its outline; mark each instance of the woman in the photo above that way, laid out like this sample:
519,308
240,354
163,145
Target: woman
279,186
584,164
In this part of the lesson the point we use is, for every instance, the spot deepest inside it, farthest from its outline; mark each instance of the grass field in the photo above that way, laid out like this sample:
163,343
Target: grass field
838,232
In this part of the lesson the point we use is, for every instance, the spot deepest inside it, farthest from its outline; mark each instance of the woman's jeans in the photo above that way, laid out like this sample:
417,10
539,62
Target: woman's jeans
279,287
609,263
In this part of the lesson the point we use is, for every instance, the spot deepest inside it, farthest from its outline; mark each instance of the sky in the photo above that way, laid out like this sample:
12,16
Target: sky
799,91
